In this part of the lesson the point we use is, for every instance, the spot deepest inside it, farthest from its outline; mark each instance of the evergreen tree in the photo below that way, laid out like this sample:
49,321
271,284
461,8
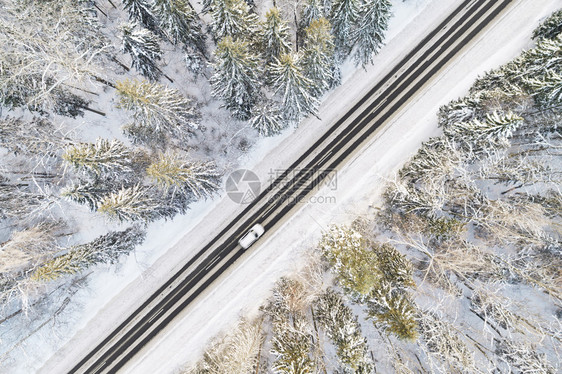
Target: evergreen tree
550,28
103,156
291,347
137,203
163,110
351,259
232,18
318,57
313,10
371,28
464,109
190,178
293,89
144,49
476,134
394,311
140,11
274,36
180,23
105,249
87,193
546,90
235,79
266,118
343,17
342,327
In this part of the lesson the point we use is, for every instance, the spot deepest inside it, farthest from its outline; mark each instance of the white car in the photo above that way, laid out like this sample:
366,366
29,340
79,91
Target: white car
251,236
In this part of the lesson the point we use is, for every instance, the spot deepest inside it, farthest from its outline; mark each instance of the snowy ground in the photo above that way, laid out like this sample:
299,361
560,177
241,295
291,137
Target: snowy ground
110,296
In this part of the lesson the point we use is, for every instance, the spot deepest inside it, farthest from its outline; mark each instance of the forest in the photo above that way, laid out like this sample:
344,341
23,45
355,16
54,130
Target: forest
117,114
457,271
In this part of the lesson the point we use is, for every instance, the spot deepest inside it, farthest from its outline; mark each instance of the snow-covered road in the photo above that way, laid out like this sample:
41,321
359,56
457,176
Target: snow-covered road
241,291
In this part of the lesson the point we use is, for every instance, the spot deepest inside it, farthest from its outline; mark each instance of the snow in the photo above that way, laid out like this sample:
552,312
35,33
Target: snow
110,295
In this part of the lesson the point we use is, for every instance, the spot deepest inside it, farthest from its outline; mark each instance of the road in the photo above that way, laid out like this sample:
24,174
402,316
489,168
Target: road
277,202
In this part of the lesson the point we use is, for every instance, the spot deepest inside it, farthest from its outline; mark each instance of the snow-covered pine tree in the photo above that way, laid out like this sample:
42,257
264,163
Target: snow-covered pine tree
291,346
393,311
273,36
137,203
102,157
180,23
352,260
102,250
162,109
371,27
189,178
141,11
318,57
550,28
293,89
494,131
546,90
144,49
232,18
266,118
395,268
343,17
236,76
312,10
342,327
85,192
460,110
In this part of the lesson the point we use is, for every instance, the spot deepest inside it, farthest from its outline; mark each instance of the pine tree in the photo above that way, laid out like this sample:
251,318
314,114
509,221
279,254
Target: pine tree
546,90
144,49
371,27
102,157
464,109
495,130
235,79
179,22
87,193
352,260
290,345
342,327
105,249
266,118
395,268
550,28
137,203
274,36
393,310
343,17
141,11
313,10
318,57
232,18
164,110
195,178
293,89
